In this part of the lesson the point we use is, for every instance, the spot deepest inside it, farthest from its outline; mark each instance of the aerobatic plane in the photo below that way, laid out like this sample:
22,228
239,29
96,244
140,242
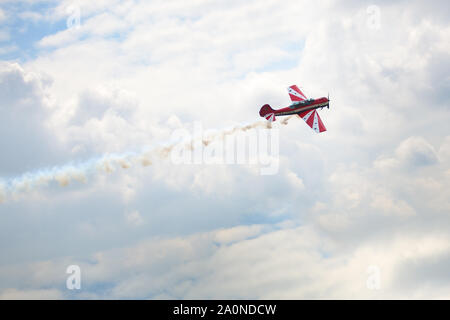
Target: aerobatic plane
304,107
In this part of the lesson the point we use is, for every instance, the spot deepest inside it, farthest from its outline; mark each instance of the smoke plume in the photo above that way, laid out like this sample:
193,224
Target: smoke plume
66,174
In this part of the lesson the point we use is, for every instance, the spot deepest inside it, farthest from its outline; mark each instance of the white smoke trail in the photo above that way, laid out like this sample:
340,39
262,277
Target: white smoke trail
64,175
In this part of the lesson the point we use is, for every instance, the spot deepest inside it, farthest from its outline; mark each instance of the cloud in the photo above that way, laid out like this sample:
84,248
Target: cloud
372,191
296,182
26,140
14,294
2,15
416,151
273,263
134,218
444,150
2,193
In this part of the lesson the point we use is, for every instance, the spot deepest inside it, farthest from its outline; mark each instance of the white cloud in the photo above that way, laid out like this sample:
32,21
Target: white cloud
416,151
296,182
2,193
444,150
385,203
133,217
297,262
32,16
27,142
2,15
372,190
236,234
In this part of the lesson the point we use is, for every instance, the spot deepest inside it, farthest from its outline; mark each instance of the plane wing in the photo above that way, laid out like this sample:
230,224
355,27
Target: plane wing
313,120
295,94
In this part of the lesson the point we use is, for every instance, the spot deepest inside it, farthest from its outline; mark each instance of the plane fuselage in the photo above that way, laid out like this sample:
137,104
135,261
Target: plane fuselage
304,105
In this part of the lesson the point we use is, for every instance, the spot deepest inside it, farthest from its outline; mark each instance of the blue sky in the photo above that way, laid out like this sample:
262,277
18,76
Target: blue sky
24,32
370,193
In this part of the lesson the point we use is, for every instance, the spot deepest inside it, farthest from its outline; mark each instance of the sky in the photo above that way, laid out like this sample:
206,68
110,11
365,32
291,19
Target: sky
91,92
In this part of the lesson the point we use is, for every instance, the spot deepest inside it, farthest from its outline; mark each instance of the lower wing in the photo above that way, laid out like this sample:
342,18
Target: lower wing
313,120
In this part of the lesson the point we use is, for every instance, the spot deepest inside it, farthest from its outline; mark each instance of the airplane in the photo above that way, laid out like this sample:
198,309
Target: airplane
304,107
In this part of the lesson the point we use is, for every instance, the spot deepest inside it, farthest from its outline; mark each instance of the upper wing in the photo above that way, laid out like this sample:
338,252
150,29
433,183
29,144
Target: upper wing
313,120
295,94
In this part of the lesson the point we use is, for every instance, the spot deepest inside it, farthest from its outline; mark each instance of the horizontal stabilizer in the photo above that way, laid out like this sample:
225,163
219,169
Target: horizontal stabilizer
270,117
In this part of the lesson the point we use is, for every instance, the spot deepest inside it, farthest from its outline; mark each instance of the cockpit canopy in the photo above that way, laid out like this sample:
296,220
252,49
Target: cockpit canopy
301,103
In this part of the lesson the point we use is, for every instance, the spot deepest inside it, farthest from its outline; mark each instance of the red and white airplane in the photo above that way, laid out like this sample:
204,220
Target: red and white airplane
305,108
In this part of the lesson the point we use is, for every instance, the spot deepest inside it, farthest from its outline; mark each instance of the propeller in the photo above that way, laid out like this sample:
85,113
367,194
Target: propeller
328,97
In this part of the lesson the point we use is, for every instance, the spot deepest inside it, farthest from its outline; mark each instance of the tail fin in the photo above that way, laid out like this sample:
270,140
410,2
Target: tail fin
267,112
